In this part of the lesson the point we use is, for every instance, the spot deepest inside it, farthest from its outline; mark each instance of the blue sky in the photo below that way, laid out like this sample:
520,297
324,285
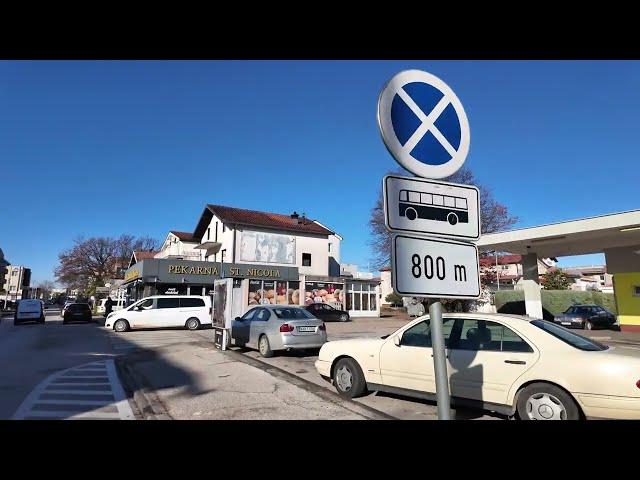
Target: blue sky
110,147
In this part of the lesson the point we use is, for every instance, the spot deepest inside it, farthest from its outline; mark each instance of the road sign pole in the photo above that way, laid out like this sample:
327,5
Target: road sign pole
440,362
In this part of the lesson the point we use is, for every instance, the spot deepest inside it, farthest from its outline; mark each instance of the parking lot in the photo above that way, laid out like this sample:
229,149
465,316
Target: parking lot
193,380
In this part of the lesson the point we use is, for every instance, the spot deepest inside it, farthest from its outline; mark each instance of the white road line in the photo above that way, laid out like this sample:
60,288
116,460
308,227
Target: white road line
100,403
118,393
59,391
51,385
73,415
80,384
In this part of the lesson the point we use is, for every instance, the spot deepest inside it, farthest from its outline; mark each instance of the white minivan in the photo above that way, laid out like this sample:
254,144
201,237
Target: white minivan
29,311
189,311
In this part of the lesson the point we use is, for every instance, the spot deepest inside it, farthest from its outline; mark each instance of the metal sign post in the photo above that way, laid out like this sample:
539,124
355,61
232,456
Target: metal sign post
425,128
443,397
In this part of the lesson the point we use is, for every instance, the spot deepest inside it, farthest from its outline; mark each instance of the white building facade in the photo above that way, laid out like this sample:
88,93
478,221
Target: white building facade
276,258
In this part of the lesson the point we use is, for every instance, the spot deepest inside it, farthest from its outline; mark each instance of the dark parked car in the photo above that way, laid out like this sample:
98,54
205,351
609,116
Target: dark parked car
586,316
76,312
327,312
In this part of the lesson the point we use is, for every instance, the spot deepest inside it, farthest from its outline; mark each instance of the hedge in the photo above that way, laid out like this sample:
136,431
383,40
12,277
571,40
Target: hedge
557,301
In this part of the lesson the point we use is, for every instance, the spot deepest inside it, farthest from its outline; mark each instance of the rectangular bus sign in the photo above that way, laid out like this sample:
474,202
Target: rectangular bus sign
433,267
430,207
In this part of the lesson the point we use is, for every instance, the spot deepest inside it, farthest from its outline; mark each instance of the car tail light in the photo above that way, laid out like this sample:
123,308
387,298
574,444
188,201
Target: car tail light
322,327
638,384
286,328
210,310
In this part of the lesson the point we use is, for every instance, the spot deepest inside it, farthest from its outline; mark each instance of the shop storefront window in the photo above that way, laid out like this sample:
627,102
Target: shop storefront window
196,290
293,293
269,289
321,292
255,292
281,293
362,296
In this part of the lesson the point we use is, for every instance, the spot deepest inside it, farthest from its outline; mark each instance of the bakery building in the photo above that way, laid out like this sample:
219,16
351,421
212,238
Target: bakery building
275,258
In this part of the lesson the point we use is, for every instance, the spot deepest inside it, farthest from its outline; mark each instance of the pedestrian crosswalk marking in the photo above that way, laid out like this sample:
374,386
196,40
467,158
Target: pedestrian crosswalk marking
51,400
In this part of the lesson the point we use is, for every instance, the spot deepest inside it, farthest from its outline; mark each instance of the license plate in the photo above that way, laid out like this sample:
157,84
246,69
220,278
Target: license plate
306,329
566,323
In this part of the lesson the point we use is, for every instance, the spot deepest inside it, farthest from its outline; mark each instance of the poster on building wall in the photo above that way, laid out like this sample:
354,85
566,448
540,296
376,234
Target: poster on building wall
268,248
220,304
321,292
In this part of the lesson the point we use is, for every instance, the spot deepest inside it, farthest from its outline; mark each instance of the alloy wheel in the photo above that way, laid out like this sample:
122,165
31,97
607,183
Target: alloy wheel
544,406
344,379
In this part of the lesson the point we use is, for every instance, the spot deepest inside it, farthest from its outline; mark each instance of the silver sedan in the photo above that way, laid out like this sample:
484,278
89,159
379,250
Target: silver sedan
269,328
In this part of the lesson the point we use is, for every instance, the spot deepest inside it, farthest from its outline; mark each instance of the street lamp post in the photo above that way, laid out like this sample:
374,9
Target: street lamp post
497,271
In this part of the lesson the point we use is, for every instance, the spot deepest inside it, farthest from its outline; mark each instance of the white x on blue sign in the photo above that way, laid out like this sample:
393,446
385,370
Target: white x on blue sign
423,124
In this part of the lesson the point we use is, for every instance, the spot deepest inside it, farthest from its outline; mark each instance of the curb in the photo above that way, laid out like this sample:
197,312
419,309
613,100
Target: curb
363,410
146,404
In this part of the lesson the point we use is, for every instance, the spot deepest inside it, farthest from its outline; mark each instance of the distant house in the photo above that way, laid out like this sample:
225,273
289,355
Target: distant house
506,270
138,256
181,246
594,277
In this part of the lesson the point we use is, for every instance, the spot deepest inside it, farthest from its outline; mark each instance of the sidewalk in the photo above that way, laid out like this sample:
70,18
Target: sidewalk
611,336
201,382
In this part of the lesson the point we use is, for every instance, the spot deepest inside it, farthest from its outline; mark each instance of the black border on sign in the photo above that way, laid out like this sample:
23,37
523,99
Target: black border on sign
430,295
425,180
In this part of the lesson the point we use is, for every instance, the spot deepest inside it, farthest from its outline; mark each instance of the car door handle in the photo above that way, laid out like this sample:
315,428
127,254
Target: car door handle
516,362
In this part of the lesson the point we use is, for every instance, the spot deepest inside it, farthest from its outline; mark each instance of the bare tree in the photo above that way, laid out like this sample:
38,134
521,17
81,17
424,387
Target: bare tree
45,288
91,261
494,216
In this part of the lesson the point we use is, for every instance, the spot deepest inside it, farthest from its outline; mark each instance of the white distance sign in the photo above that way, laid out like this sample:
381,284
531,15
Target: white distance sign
437,268
430,207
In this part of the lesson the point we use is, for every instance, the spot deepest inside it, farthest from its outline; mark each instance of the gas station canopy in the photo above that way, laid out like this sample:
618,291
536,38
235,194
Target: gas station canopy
574,237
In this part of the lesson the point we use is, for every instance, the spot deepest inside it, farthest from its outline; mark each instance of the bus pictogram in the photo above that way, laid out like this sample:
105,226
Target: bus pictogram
430,206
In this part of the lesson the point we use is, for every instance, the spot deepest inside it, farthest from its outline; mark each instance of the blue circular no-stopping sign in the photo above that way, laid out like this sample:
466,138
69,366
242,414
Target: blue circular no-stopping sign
423,124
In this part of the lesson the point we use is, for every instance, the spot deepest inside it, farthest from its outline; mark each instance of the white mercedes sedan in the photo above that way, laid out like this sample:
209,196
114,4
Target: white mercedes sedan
510,364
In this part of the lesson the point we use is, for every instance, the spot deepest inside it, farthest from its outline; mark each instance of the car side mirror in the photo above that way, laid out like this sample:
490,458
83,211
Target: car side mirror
238,319
396,340
139,307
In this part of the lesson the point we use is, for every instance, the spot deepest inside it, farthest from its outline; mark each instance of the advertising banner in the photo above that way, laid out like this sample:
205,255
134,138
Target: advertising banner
268,248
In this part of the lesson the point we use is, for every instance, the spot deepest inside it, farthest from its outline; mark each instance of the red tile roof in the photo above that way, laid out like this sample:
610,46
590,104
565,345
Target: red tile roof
253,218
143,255
502,260
183,236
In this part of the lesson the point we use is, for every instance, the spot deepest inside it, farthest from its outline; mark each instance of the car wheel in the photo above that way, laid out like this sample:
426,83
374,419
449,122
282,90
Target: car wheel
543,401
121,326
344,317
587,325
264,348
193,324
348,378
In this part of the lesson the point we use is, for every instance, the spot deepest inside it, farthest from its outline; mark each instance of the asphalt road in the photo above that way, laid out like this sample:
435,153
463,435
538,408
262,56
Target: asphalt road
56,371
32,353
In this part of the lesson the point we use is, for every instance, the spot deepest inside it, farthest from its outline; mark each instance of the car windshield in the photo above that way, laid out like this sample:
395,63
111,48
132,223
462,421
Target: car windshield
292,313
573,339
